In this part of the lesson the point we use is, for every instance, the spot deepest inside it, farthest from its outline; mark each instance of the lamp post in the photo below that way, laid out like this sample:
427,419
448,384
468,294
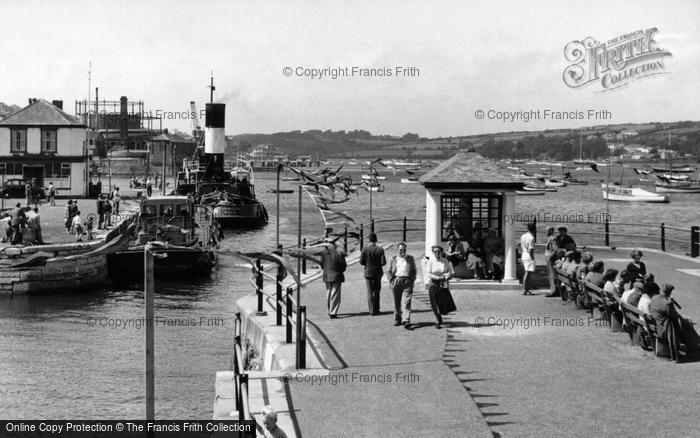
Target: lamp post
277,214
369,185
109,169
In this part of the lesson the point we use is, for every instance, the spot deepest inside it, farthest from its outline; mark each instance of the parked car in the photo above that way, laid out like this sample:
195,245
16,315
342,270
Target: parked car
15,188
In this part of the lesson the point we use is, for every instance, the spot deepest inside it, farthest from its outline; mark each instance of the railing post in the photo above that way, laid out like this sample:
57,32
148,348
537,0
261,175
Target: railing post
239,396
663,236
290,291
534,221
362,236
694,241
345,241
405,220
303,259
607,232
301,338
278,293
259,287
371,225
243,380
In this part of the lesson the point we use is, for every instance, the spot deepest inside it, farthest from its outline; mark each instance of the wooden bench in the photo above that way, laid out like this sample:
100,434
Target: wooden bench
595,298
568,283
638,323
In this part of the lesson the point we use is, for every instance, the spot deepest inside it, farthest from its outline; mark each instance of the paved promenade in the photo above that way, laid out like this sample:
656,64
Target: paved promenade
503,365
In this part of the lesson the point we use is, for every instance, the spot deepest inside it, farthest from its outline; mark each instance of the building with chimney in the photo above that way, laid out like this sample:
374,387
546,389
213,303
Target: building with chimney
43,142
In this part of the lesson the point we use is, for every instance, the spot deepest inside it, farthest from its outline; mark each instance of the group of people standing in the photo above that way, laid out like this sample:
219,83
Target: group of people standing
401,275
19,219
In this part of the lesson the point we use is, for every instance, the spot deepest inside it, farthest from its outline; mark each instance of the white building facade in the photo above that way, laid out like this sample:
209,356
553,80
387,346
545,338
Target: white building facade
44,143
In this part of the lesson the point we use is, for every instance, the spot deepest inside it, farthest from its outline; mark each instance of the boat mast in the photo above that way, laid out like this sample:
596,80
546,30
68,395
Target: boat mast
211,88
580,146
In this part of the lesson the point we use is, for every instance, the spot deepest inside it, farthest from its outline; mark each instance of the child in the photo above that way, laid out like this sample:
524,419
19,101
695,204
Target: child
88,226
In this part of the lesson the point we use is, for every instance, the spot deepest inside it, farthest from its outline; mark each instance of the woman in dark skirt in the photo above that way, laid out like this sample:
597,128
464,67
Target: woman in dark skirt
637,267
437,272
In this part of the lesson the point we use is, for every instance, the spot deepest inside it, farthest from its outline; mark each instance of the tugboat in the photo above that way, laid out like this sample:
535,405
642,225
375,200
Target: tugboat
181,245
228,190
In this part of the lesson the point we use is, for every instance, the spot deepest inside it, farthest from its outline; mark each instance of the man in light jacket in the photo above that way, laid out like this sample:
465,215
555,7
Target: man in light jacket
402,275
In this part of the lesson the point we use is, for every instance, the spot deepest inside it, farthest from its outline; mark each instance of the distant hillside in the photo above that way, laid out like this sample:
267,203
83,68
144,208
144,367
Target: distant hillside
554,144
6,110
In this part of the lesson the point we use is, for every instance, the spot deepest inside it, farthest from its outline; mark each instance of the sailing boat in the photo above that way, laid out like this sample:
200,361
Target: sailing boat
671,183
618,192
580,160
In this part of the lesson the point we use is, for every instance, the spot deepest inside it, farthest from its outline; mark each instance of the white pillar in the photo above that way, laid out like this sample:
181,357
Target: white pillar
509,275
432,220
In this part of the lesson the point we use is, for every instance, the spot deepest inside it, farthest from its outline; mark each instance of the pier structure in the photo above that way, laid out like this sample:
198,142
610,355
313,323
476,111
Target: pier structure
504,365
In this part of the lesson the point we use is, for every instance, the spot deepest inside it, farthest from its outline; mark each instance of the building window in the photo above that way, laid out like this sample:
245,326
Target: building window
48,140
11,168
65,170
18,140
463,213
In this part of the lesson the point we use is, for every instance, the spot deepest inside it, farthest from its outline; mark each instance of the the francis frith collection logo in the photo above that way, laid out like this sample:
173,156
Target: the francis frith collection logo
615,63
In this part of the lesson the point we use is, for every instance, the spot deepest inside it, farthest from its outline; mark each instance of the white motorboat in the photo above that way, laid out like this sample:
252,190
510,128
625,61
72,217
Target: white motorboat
615,192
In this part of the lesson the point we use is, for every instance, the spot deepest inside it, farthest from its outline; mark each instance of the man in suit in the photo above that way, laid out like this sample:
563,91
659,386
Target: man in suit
372,258
334,264
402,275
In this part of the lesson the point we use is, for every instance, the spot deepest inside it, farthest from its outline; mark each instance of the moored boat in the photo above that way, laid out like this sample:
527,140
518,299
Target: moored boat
677,187
411,180
167,225
615,192
226,187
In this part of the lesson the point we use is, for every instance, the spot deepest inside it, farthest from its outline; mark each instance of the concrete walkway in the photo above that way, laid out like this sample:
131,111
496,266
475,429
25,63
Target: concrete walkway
388,381
504,365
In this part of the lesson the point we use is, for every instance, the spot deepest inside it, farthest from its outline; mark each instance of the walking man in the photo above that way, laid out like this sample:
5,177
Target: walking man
402,275
52,195
527,243
372,258
549,251
116,199
149,187
333,264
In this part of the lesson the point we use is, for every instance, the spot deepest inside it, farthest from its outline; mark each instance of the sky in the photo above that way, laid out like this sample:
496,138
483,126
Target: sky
493,56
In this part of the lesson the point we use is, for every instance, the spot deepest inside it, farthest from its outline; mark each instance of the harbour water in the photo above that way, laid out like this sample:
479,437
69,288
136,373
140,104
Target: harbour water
81,355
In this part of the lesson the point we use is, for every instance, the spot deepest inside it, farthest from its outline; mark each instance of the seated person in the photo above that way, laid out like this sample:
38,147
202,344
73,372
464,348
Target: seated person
663,311
558,258
455,250
493,251
595,274
611,285
586,263
632,296
650,290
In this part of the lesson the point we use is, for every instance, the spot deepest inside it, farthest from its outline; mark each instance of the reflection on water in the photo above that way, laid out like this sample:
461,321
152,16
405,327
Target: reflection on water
81,355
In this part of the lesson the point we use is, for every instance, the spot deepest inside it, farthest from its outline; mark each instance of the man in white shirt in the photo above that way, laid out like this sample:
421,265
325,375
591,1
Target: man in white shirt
527,243
402,275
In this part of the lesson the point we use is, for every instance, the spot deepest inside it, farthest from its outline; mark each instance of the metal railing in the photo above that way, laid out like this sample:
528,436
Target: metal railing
240,376
292,313
667,238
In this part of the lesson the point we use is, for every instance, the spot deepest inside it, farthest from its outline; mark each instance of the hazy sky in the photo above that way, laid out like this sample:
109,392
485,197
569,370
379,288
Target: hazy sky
489,55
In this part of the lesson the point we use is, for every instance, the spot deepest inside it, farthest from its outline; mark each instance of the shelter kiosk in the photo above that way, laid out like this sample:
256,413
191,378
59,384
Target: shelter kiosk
466,194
